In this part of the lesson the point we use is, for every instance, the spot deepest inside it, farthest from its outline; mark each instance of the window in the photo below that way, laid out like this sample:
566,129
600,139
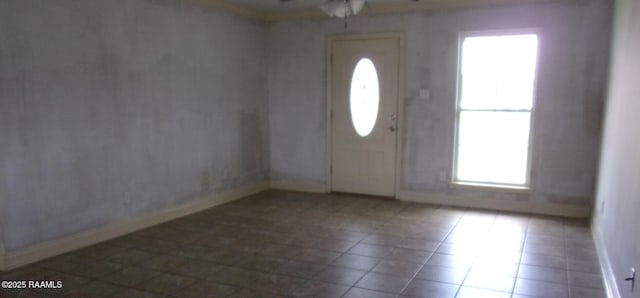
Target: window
495,104
364,97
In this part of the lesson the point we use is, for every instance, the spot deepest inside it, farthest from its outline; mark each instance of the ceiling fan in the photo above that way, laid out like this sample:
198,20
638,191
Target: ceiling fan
343,8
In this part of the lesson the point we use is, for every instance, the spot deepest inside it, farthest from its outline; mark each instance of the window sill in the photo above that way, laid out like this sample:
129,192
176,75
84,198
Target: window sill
491,187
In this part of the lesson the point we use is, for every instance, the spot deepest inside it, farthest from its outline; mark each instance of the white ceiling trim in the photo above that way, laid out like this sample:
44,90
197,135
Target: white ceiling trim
402,7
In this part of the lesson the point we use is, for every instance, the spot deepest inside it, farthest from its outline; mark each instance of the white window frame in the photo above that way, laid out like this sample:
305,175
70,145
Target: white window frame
519,188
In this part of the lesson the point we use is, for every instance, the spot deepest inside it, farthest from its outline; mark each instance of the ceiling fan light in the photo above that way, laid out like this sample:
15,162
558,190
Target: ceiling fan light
329,8
341,9
356,5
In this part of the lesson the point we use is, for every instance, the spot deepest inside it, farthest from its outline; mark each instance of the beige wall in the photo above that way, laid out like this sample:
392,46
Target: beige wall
571,85
114,109
617,216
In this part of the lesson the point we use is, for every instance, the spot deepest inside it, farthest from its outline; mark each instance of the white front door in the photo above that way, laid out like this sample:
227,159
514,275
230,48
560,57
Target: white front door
364,109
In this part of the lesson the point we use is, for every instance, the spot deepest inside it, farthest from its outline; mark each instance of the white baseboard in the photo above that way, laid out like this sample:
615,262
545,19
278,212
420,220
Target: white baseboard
610,284
59,246
496,204
294,186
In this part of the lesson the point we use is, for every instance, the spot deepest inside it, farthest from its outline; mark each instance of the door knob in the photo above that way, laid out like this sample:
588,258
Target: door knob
632,279
392,128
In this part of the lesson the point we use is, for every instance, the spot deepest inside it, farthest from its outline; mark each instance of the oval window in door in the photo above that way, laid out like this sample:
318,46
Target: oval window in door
364,97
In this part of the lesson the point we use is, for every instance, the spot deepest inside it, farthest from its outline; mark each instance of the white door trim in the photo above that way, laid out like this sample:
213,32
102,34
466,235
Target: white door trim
401,86
609,277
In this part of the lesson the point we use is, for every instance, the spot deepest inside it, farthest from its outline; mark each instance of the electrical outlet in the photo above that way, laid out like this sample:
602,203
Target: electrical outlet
205,181
443,176
425,93
226,173
127,198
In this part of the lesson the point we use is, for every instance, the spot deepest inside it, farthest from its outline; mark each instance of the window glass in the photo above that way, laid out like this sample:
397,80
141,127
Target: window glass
364,97
498,72
494,111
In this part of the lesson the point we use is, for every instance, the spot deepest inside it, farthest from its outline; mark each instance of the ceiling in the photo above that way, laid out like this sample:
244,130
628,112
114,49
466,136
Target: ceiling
278,6
275,10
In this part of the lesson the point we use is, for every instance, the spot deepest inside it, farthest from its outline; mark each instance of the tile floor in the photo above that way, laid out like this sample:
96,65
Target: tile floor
277,243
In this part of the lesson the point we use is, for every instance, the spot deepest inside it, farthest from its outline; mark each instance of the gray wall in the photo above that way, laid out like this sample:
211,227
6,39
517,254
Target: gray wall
111,109
573,64
616,217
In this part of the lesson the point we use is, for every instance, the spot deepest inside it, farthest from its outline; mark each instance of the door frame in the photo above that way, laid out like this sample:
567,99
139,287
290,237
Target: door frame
400,103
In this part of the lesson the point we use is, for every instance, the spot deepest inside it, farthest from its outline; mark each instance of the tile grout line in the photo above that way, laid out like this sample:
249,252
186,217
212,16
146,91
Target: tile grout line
524,243
472,262
396,225
433,252
372,267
